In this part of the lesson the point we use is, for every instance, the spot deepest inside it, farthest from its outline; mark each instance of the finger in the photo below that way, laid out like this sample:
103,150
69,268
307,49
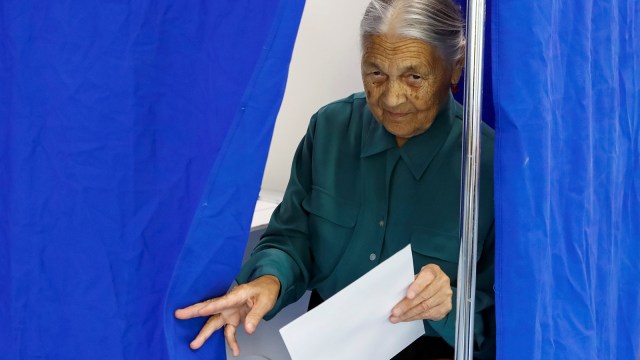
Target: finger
426,275
422,309
196,310
230,335
214,323
439,284
437,312
190,311
214,306
406,304
255,315
401,307
433,295
428,283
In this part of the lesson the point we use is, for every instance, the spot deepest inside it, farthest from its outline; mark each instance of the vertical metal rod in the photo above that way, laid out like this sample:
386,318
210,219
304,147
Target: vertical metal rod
470,179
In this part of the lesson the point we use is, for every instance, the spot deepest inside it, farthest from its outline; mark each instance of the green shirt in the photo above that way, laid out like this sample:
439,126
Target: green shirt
354,199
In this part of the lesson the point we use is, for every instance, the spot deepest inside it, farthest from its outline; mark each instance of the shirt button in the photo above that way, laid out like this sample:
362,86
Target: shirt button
381,223
372,256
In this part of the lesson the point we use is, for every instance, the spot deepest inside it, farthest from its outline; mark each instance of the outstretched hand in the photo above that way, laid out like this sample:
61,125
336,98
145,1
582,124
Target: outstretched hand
428,297
247,303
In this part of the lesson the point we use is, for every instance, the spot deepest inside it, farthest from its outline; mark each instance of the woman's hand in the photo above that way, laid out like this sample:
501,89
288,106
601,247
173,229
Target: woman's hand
428,297
246,303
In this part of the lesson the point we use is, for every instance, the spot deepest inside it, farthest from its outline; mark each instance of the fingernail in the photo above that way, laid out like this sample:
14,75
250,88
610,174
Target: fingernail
411,294
393,319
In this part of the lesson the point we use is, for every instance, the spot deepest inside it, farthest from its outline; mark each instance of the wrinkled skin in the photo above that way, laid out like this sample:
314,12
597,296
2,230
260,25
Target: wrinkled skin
428,297
246,304
406,82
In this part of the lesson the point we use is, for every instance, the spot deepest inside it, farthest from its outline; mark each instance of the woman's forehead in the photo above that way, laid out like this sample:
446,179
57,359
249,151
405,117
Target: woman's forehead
387,50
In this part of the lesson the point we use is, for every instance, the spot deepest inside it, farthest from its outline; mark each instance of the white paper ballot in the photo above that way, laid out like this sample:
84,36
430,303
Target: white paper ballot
354,323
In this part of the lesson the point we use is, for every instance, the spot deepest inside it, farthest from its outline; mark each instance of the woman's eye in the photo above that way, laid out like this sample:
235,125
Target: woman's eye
376,76
415,80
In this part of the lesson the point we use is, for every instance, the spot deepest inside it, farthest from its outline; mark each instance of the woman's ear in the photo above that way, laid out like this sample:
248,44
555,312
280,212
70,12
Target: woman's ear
457,70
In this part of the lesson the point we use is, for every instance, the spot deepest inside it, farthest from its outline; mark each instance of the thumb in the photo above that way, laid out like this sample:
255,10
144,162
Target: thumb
255,315
426,275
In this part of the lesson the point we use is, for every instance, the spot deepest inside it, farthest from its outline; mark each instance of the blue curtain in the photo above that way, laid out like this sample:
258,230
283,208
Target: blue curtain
566,88
133,135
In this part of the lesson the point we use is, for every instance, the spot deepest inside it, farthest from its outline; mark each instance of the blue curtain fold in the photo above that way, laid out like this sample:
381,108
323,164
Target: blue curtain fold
566,88
115,118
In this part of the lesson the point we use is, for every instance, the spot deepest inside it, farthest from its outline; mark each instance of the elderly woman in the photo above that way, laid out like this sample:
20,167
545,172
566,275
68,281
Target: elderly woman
375,172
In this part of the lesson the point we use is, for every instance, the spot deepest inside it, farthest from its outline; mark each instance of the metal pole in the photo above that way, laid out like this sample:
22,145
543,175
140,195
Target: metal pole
470,179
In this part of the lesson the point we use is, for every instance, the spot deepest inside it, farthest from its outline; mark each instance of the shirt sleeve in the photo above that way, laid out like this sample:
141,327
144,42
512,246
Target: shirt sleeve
484,320
283,250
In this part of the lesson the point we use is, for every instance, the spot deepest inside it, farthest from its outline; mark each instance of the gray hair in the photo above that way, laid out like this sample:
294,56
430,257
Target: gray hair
436,22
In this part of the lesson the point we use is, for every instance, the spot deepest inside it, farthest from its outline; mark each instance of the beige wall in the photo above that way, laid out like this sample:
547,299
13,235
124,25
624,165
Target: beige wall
325,66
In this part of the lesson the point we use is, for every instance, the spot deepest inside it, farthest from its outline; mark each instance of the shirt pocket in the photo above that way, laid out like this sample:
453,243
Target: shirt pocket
433,247
331,223
328,207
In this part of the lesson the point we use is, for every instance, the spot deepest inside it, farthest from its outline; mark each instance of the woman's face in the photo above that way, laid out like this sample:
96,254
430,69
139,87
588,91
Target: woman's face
406,82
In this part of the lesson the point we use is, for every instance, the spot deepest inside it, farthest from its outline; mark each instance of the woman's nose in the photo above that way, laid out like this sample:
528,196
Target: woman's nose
394,95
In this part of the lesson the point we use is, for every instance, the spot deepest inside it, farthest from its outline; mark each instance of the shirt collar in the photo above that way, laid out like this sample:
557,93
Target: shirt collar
375,138
419,150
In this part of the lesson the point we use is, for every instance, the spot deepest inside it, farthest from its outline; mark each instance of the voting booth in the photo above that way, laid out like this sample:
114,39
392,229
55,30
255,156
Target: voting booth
134,137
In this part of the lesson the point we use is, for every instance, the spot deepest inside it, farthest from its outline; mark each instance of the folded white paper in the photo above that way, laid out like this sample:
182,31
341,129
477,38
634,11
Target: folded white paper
354,323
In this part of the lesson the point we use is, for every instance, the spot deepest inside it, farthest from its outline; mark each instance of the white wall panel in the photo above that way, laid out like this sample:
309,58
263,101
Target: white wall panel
325,66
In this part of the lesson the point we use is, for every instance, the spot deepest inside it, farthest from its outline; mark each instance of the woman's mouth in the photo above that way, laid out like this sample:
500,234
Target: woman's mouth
395,115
